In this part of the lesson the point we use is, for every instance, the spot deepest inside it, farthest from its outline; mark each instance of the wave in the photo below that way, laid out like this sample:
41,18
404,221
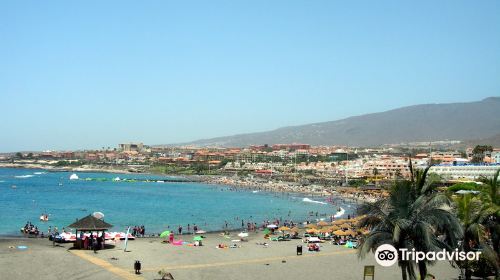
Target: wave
24,176
39,173
255,191
305,199
339,213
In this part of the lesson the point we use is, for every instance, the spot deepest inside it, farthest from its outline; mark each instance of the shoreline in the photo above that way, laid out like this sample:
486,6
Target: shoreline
349,193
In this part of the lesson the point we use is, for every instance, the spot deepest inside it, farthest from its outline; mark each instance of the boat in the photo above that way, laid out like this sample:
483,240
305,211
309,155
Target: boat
73,177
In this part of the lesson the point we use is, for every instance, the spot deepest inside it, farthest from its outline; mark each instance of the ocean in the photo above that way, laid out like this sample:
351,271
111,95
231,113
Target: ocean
27,193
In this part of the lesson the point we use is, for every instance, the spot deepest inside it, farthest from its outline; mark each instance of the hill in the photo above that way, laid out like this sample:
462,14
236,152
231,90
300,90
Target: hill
427,122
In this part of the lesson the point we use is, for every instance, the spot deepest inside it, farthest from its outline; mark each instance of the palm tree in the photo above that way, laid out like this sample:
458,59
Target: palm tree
469,211
412,217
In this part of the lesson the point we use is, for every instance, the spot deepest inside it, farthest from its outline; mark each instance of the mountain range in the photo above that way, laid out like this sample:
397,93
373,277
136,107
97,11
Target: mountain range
427,122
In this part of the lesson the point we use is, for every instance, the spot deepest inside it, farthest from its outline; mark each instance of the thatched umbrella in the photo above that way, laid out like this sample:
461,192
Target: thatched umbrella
345,225
323,223
89,224
312,230
311,226
294,229
340,233
334,228
338,222
325,230
283,228
350,232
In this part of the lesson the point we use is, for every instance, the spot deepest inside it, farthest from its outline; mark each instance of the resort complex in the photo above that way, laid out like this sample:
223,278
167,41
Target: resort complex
317,205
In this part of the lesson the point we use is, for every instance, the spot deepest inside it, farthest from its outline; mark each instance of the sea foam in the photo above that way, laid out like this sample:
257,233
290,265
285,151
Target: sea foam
312,201
24,176
339,213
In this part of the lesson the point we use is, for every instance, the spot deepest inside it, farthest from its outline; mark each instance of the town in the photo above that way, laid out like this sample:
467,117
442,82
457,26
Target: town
302,163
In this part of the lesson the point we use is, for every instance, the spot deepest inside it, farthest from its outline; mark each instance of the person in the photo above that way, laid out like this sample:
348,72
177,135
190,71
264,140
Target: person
180,230
195,228
94,245
189,228
85,242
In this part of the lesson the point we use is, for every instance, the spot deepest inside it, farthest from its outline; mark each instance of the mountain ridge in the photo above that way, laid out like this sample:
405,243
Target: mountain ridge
422,122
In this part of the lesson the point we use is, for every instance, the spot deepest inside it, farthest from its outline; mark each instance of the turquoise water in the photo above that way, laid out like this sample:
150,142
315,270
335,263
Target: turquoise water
27,193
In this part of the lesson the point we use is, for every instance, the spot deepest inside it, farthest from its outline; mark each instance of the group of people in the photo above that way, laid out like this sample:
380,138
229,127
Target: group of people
139,231
29,228
92,242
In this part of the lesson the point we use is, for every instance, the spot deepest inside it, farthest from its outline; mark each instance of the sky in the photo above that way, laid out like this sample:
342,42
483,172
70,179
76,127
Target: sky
92,74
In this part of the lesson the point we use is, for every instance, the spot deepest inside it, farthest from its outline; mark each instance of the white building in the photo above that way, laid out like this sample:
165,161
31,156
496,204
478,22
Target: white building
495,156
464,171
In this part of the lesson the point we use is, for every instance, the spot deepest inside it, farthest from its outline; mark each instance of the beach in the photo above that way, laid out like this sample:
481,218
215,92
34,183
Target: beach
278,260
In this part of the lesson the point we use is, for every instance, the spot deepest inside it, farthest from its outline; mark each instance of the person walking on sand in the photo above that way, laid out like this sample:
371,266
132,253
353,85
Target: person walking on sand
94,245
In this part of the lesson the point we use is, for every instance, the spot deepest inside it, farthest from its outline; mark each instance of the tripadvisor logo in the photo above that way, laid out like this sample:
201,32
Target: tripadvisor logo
387,255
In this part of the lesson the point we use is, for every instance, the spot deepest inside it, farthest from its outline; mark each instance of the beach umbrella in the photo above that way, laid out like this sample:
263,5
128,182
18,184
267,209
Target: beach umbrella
345,225
283,228
338,222
350,232
165,233
334,228
311,226
339,233
267,231
312,230
197,238
295,229
322,223
272,226
325,230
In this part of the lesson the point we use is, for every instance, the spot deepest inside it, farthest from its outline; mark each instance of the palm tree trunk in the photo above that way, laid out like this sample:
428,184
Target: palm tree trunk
404,275
422,268
467,272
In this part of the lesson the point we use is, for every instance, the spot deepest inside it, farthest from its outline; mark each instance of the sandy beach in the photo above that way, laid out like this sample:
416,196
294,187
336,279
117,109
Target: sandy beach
278,260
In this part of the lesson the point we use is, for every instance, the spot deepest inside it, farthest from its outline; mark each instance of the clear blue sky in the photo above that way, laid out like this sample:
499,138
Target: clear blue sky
87,74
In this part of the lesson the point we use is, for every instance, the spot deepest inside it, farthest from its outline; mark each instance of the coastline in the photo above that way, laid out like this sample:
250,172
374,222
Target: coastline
50,168
349,193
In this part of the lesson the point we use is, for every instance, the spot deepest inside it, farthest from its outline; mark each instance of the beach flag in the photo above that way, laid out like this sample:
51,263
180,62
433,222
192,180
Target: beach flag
126,239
